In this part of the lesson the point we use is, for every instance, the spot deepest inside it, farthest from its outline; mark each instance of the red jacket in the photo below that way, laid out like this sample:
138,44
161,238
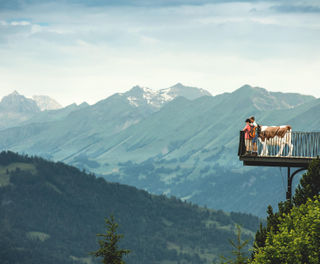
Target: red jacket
247,129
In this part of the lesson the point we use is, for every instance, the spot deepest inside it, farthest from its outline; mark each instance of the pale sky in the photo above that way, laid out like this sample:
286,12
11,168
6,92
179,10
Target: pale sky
82,50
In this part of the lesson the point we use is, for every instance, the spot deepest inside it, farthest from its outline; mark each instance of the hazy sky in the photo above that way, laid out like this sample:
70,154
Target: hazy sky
86,50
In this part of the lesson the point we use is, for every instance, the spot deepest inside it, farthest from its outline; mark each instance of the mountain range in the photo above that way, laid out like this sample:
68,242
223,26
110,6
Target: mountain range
177,141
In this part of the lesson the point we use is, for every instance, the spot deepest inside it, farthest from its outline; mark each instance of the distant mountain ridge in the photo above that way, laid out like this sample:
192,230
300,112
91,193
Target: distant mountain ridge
265,100
16,109
186,148
15,102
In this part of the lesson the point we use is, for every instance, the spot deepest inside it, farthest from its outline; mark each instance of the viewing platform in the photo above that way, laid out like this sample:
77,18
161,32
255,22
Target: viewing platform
306,147
296,150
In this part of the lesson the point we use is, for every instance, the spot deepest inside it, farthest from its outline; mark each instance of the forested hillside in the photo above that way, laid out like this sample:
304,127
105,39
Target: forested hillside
51,212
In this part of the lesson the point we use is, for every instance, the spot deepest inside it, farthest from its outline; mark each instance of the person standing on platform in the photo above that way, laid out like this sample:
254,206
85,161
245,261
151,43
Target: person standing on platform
254,135
247,138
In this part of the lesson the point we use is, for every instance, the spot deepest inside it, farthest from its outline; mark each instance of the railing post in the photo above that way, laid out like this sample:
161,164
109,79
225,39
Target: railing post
242,146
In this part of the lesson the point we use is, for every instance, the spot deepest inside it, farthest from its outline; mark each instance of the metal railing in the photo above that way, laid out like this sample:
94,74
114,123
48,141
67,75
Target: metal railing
293,144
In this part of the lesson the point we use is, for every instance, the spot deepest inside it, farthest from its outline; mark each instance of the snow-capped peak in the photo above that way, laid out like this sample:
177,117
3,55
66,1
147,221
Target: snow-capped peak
144,96
188,92
139,96
46,103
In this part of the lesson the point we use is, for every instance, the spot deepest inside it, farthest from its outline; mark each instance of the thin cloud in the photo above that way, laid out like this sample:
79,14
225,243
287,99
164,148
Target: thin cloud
18,4
20,23
296,8
72,49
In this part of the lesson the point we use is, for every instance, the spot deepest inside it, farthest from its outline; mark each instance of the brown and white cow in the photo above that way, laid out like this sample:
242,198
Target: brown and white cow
275,136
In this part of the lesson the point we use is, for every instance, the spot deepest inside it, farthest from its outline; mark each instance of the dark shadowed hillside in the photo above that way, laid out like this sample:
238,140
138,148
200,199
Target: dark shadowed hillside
50,213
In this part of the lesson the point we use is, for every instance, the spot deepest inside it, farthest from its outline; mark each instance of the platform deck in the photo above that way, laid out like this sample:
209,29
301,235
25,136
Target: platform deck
297,162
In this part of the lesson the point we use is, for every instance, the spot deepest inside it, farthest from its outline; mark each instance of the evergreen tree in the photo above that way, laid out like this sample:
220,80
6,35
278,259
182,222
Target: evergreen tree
297,240
238,247
109,250
309,186
273,220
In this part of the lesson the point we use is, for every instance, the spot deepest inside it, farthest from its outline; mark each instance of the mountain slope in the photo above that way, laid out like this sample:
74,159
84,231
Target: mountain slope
54,115
50,213
265,100
183,126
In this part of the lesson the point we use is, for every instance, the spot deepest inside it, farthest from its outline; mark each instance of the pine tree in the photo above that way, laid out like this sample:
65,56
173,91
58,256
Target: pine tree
238,247
273,220
297,240
109,250
309,186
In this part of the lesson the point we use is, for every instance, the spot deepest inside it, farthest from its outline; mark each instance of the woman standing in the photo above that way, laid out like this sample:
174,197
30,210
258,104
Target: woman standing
248,140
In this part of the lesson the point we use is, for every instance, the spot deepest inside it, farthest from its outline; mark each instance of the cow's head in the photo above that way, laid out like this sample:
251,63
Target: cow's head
258,129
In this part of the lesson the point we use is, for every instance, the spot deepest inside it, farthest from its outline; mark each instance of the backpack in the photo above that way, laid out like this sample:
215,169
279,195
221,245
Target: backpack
252,132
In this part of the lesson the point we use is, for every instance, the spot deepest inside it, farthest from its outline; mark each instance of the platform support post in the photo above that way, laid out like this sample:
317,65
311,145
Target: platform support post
289,190
290,178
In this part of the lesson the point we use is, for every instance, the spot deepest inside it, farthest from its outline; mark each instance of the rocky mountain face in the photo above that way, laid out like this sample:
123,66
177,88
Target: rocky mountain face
182,147
191,93
15,108
45,102
142,96
15,102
